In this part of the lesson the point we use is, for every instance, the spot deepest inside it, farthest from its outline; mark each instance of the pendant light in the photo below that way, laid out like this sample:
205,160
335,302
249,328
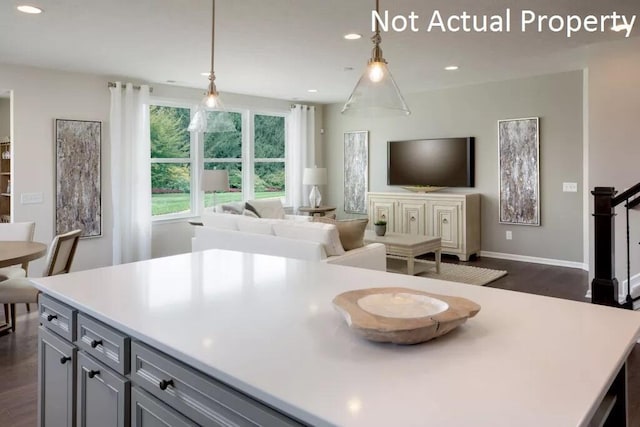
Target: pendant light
376,93
201,120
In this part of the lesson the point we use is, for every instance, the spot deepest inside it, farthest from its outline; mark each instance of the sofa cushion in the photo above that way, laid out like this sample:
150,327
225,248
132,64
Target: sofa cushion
326,234
351,231
255,225
220,220
266,208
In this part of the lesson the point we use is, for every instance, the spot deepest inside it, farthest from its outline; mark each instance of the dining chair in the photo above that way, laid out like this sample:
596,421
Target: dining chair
59,260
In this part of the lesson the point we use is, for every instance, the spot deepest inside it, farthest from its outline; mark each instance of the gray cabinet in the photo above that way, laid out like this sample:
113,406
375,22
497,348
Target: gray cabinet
147,411
202,399
56,380
104,379
102,395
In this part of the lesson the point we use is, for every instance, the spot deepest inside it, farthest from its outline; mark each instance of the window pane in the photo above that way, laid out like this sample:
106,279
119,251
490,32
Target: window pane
170,189
224,145
269,137
169,135
235,184
270,180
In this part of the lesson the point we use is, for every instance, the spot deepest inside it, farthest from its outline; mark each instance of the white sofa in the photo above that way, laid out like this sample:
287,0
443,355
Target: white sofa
289,238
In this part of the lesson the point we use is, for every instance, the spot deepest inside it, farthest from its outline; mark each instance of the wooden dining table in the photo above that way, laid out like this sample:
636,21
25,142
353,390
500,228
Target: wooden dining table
18,253
14,253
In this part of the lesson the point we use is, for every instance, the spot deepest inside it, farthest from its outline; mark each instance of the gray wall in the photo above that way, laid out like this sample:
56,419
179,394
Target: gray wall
474,111
5,118
614,134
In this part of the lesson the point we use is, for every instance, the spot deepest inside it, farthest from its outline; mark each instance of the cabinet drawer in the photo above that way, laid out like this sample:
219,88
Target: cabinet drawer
147,411
58,317
105,344
201,398
103,395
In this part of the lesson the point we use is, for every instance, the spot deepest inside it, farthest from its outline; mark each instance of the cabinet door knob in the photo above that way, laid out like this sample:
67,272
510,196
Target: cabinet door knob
65,359
95,343
93,373
165,383
413,218
444,221
51,317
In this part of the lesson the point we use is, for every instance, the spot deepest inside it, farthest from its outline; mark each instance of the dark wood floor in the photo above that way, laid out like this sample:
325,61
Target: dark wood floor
18,352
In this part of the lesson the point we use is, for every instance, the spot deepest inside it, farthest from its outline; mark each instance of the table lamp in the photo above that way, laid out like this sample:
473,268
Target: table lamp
214,181
314,176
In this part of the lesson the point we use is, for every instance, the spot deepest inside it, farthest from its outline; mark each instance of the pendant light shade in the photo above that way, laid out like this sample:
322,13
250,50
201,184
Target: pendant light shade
376,93
203,119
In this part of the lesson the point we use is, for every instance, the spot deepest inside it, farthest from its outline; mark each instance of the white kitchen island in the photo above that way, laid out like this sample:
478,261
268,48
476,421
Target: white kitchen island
266,327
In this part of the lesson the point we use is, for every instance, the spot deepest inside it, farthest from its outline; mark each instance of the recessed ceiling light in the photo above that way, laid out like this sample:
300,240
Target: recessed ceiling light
25,8
348,68
312,90
171,81
352,36
452,68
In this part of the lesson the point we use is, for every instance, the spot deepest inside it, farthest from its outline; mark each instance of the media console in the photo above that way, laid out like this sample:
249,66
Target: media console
454,217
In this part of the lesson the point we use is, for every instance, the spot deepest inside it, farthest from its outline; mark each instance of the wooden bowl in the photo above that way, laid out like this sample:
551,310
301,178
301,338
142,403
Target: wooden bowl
402,315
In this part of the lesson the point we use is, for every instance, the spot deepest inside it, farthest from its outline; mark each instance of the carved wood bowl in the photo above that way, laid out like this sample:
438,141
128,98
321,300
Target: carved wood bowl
402,315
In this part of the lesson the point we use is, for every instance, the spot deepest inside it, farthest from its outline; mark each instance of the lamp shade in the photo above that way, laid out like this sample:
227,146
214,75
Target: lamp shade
314,176
215,180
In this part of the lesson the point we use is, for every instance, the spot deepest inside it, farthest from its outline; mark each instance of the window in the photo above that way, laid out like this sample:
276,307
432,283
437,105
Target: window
253,151
171,164
269,156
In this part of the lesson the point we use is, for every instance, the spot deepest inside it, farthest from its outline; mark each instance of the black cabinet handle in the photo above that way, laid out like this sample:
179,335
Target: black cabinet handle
164,384
51,317
64,359
93,373
95,343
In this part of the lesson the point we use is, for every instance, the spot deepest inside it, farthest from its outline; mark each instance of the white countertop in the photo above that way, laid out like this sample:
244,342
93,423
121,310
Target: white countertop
266,326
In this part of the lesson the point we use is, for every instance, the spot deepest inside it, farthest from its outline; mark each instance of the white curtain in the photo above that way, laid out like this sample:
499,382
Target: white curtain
130,173
302,149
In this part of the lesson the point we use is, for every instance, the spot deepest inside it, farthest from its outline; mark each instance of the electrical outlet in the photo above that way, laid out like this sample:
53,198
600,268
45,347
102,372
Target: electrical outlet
509,235
570,187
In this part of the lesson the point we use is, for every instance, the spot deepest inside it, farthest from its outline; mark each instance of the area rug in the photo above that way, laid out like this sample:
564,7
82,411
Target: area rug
451,272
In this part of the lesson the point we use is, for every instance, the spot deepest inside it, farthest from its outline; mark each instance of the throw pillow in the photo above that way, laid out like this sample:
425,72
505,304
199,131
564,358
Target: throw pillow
249,208
267,208
351,231
250,214
232,208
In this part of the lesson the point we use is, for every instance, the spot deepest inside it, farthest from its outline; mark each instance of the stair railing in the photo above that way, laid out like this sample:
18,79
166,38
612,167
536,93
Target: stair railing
604,287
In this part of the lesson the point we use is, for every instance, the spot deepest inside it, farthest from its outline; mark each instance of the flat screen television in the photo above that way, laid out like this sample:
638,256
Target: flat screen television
443,162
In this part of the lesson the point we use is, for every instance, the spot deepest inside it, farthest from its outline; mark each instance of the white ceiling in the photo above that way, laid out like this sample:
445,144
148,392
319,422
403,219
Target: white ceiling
281,48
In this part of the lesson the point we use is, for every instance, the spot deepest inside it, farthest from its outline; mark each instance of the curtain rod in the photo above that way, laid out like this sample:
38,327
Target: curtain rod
113,84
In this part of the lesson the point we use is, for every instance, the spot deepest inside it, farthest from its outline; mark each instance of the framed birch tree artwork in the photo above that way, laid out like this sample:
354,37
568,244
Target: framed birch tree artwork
519,157
356,171
78,177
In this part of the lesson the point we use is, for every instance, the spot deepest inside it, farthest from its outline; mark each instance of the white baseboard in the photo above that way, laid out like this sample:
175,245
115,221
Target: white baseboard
536,260
622,290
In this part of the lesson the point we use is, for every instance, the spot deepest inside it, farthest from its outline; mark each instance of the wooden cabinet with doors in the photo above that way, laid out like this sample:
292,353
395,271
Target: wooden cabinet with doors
454,217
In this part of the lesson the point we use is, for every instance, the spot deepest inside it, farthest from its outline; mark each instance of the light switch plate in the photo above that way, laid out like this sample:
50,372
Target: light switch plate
31,198
509,235
570,187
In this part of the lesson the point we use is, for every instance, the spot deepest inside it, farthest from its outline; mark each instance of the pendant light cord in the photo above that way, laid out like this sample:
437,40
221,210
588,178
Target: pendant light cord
376,53
213,32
